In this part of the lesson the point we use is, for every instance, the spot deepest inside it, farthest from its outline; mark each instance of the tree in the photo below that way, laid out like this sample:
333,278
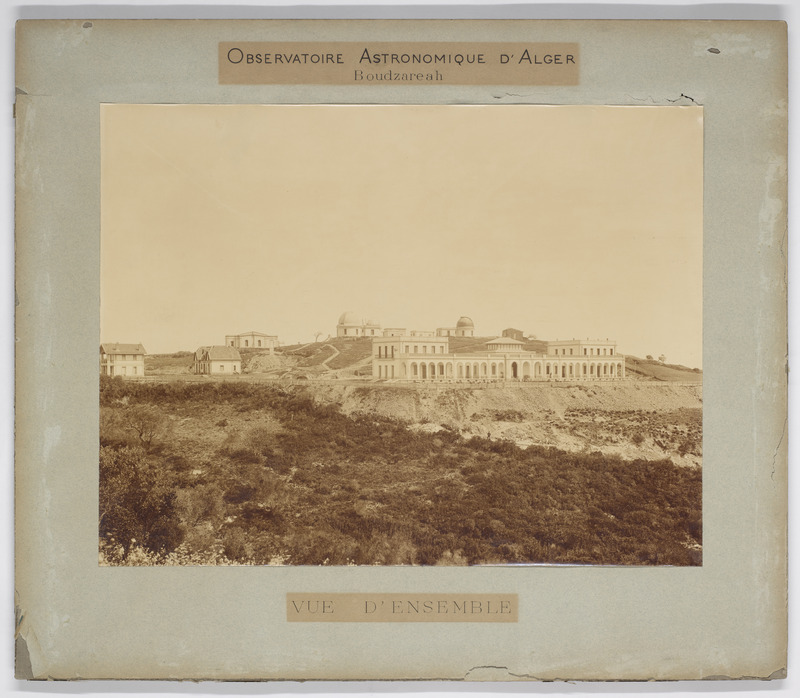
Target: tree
649,357
137,502
146,422
662,358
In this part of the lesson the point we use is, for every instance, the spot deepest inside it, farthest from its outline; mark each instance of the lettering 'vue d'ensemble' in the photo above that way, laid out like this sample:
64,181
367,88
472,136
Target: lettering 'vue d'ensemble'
399,354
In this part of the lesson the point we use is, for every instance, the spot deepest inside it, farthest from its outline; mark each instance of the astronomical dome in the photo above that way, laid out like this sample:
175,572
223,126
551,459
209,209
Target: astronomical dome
464,322
372,323
349,318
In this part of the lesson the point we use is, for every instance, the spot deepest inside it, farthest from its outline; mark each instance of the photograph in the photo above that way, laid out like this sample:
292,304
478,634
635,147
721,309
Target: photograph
401,335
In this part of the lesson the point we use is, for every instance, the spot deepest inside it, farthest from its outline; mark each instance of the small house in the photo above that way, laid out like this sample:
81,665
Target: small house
121,359
217,361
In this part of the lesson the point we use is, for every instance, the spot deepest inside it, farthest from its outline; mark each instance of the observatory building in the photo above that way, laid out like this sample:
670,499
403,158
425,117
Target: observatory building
426,356
352,326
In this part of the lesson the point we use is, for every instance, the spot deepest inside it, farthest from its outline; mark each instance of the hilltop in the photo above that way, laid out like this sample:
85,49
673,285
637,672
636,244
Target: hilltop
348,358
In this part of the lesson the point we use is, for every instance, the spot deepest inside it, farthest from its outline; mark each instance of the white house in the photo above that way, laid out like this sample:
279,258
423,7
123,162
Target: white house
122,359
217,361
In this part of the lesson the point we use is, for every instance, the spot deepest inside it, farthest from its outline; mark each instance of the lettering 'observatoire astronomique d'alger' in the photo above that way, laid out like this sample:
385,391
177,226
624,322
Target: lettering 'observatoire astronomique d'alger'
421,62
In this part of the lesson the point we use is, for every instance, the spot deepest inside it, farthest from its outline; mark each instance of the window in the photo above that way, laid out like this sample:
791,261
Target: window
611,351
584,352
247,342
135,370
570,351
259,342
231,342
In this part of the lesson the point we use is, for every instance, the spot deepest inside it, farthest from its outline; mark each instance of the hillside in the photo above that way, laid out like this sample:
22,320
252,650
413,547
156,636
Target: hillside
630,419
649,369
165,364
235,472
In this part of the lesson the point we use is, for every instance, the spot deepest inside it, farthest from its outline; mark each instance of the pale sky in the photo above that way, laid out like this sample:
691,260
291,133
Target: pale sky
560,221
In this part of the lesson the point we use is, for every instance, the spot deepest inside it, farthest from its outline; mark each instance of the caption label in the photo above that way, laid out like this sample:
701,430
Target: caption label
397,63
402,608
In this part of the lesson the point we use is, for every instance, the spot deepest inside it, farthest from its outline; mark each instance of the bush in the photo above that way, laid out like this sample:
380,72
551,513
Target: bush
147,423
137,503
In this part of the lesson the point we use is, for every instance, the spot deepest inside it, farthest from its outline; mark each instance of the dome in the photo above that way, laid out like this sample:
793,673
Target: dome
349,318
465,322
372,323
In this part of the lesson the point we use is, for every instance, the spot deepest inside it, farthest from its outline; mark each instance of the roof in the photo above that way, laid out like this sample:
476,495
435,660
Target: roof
583,341
349,318
117,348
256,334
217,353
505,340
464,321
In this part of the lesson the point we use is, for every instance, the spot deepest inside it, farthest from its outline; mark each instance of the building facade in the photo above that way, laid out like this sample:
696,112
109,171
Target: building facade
582,347
121,359
252,340
216,360
464,328
351,326
416,358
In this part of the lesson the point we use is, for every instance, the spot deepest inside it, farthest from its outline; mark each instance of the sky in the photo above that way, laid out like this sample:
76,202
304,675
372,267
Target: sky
561,221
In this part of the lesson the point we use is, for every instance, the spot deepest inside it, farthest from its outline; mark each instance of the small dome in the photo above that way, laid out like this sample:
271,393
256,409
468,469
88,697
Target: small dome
465,322
372,323
349,318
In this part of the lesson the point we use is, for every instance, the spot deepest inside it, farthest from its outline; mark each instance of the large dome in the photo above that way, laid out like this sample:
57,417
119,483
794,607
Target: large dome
349,318
465,322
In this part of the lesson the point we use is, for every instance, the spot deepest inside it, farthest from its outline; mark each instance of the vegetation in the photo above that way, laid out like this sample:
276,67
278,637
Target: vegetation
650,369
679,431
244,473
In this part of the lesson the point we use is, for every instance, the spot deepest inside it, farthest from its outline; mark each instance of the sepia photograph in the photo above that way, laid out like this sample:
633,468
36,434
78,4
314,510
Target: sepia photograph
428,335
478,382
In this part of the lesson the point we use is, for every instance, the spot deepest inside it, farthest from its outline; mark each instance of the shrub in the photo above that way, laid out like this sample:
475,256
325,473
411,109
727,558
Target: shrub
137,502
147,423
234,544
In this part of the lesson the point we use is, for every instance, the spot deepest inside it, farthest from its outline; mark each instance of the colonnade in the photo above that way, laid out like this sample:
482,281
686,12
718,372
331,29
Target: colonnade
510,369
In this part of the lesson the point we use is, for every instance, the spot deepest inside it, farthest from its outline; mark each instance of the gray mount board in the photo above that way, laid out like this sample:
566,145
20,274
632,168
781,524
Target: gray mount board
724,619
